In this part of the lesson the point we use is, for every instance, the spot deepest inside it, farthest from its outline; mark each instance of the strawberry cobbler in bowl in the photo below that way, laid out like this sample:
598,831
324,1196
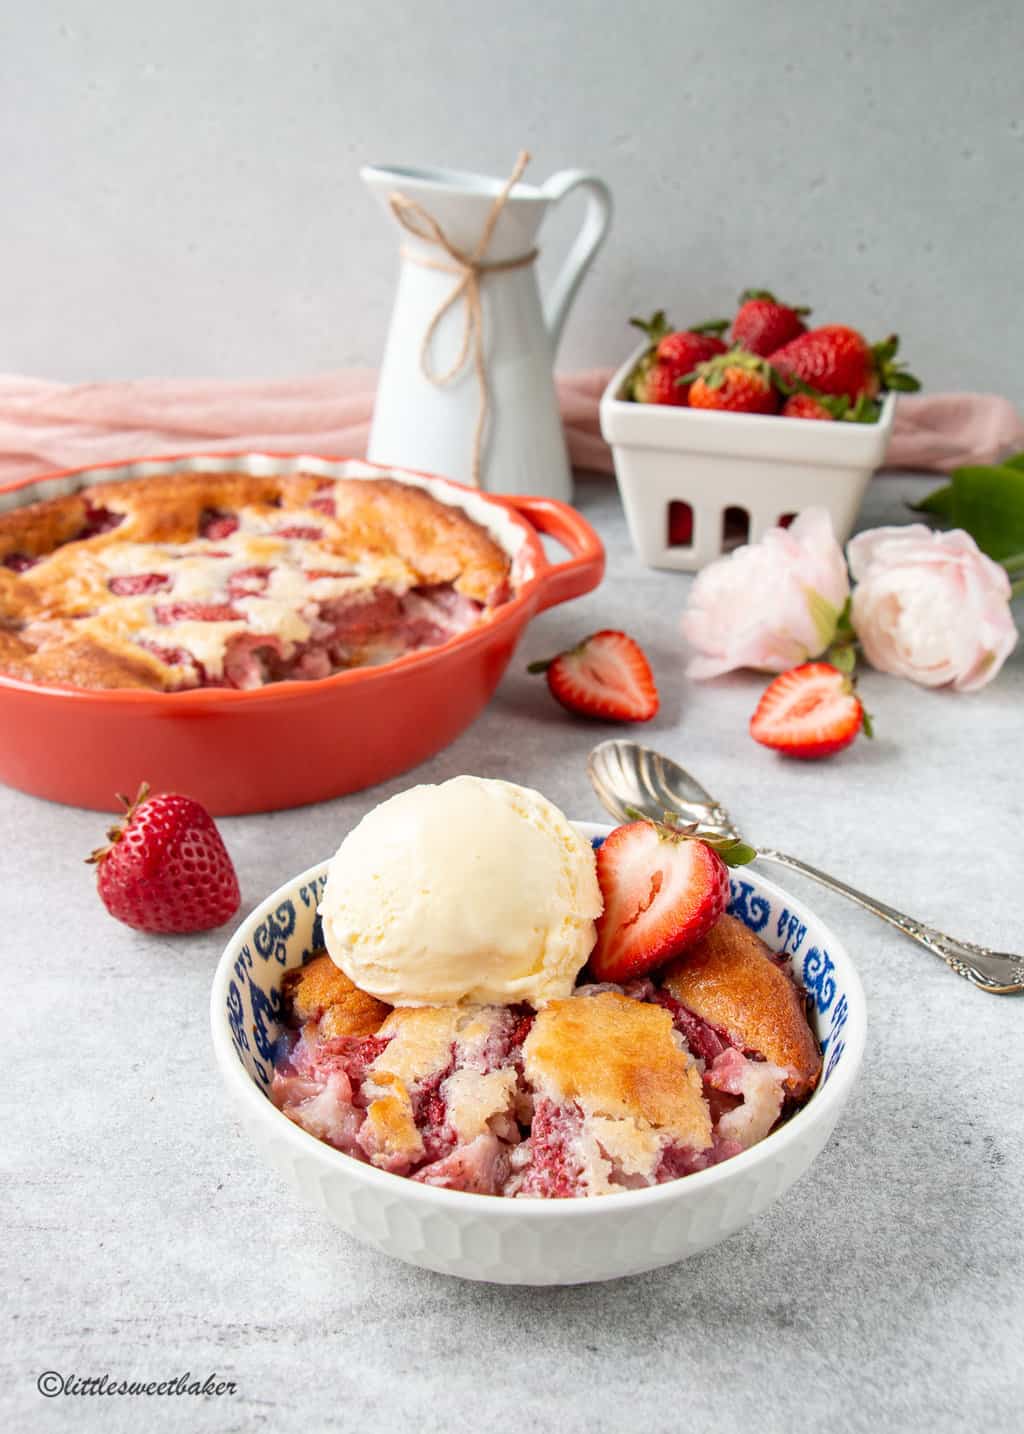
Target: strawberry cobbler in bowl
498,1044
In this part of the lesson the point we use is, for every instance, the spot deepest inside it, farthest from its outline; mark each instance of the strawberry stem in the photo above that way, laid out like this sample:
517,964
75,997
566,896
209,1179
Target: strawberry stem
892,375
655,328
732,850
769,298
116,831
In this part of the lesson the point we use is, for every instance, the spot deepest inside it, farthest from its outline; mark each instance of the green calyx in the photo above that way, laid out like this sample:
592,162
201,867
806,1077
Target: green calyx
715,327
116,831
732,850
765,296
655,328
892,375
715,370
865,410
843,649
543,663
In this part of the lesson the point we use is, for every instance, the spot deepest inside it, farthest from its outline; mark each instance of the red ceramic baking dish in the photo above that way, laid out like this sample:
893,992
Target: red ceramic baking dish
288,743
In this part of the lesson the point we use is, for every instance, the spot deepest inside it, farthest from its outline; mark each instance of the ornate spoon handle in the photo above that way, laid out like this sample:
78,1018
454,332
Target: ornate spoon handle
995,971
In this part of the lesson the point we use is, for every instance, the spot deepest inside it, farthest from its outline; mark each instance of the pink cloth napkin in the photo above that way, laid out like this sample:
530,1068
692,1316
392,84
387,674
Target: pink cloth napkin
46,426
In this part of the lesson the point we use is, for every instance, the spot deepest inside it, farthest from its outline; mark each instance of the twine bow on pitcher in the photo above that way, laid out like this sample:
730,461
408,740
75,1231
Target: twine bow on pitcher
469,271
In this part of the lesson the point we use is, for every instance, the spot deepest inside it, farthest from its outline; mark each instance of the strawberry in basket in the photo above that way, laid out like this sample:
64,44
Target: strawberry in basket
660,376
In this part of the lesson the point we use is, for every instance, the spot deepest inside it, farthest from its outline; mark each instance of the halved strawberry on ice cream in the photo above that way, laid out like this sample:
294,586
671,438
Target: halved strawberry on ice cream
663,891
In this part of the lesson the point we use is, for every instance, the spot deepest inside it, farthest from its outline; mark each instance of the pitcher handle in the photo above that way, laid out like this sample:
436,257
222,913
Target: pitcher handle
596,221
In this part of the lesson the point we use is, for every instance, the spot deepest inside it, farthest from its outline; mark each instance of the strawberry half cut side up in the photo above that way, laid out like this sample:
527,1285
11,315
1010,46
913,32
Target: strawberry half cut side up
663,890
809,712
165,868
606,677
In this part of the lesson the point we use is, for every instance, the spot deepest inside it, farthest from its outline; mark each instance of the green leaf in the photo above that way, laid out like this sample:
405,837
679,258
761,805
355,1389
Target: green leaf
902,382
844,626
940,502
735,853
989,504
732,850
1016,461
866,724
865,410
824,616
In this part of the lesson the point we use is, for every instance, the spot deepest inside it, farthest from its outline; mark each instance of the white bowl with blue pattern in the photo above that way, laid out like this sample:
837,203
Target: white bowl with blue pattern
530,1242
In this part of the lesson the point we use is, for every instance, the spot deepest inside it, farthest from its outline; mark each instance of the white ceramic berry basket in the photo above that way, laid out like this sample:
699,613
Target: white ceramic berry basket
738,473
529,1242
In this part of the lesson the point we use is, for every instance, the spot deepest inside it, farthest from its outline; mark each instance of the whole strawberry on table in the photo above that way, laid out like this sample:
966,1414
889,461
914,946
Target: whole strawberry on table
774,365
165,867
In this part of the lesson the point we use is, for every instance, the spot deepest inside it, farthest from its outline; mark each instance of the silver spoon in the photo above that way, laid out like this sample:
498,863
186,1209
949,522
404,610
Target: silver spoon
630,778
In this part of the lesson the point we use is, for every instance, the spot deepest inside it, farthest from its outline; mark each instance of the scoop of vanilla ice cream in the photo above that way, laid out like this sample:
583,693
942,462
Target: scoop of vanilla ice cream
470,891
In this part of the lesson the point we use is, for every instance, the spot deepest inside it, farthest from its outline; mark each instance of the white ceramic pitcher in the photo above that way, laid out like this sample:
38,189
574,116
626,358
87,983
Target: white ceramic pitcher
424,424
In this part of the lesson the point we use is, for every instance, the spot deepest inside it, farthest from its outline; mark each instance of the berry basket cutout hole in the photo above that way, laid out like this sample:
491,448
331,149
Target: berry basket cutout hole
735,528
785,519
680,524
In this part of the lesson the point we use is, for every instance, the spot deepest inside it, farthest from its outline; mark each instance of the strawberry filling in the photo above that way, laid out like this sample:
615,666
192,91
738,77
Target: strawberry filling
19,562
355,628
216,524
524,1143
166,613
248,582
481,1167
178,657
98,520
705,1041
555,1171
134,584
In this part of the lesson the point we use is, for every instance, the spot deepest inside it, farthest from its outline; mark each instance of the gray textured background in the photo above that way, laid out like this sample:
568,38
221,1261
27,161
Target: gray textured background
883,1294
181,192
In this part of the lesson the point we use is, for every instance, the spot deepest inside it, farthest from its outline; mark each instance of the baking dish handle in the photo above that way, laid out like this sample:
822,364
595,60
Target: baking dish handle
583,569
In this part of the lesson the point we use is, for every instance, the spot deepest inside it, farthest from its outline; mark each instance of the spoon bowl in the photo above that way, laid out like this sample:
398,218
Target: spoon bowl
630,778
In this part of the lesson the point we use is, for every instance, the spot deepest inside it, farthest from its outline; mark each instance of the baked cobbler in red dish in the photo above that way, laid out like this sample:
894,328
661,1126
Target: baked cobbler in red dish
616,1087
234,580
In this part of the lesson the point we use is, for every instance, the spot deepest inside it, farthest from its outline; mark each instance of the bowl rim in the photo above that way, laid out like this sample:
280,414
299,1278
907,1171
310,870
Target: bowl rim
610,400
826,1101
194,700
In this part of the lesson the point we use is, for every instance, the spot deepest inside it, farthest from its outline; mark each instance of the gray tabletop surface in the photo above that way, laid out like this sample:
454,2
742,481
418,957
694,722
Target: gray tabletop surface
145,1237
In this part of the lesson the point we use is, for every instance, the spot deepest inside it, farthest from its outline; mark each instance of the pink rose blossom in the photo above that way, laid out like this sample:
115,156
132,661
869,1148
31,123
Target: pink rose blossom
769,605
931,606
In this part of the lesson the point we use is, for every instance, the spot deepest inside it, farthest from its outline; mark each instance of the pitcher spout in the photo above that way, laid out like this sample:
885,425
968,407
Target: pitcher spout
460,202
